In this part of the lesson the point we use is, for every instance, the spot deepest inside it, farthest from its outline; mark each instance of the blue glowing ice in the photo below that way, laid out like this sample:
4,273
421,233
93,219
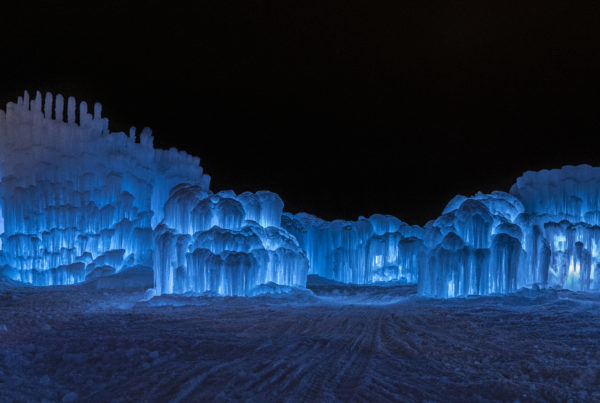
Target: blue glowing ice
75,197
545,232
474,247
77,200
380,248
224,243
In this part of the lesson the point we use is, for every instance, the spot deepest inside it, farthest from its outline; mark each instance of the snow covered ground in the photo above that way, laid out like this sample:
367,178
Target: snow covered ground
98,342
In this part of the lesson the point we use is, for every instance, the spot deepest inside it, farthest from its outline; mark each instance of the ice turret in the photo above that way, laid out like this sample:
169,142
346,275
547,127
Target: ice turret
75,197
562,225
475,247
224,244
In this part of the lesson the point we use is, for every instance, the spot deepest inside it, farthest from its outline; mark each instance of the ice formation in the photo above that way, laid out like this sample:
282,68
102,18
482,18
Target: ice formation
544,232
378,248
473,247
79,201
224,243
562,225
76,198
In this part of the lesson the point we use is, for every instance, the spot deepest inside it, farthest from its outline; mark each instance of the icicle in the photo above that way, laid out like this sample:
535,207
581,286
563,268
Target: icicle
37,103
48,106
71,110
59,104
146,138
97,111
83,115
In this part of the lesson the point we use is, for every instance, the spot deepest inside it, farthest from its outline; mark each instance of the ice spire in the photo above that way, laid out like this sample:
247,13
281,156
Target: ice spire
26,99
97,111
71,110
36,104
73,201
48,106
59,104
84,117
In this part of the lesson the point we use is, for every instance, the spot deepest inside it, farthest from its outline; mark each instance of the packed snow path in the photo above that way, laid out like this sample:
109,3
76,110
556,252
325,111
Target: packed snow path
90,344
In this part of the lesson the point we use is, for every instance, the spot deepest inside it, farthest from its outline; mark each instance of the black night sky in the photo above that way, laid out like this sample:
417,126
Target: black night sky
344,108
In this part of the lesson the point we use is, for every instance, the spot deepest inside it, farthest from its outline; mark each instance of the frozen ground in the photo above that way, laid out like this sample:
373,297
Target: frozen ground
94,342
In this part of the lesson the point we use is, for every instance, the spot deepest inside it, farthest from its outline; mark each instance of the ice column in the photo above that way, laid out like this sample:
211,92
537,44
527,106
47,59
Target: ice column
224,244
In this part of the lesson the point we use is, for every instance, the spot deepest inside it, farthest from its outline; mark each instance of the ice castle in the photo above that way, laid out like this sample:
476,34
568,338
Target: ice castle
77,201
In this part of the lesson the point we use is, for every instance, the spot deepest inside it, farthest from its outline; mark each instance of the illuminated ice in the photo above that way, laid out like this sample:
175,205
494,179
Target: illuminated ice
475,247
544,233
561,225
378,248
78,201
75,197
224,244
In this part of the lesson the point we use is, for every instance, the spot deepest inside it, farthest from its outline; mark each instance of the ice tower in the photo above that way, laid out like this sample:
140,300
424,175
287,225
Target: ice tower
76,198
562,224
545,232
473,247
78,201
225,244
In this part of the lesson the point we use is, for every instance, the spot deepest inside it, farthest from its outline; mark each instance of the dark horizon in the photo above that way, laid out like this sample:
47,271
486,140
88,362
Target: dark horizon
390,110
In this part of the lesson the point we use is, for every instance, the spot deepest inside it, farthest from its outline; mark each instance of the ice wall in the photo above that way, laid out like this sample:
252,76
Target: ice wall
474,247
224,243
378,248
76,198
562,225
544,232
